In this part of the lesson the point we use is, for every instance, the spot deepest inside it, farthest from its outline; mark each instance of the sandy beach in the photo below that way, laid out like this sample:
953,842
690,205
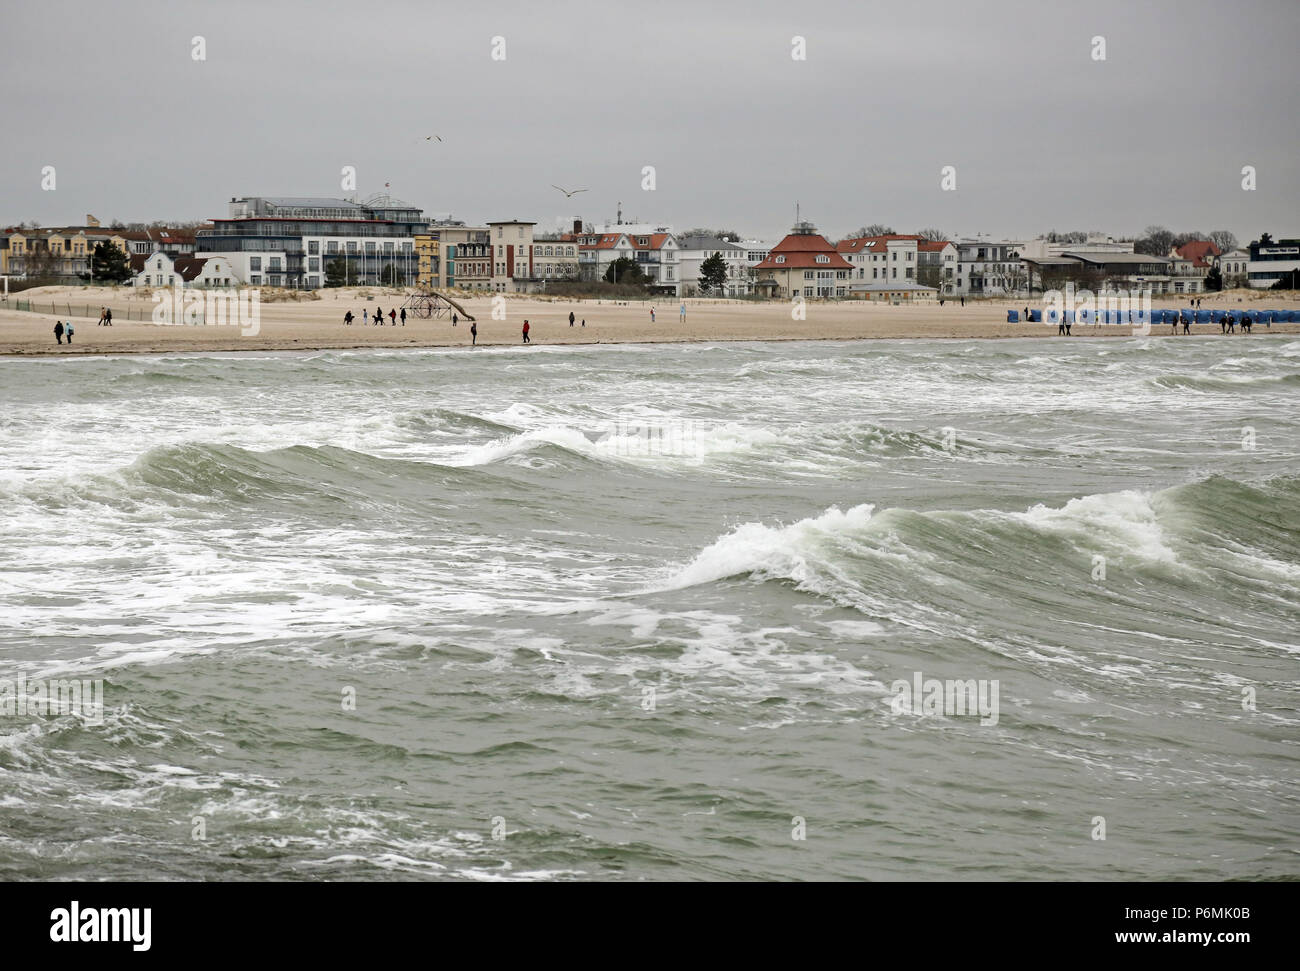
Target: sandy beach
316,324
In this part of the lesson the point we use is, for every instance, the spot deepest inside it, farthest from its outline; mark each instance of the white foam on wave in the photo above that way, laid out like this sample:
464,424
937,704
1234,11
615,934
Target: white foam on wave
778,551
1123,523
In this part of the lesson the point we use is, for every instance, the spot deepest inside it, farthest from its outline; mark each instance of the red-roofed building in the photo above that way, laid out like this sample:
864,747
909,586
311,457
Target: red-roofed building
804,264
882,259
1201,253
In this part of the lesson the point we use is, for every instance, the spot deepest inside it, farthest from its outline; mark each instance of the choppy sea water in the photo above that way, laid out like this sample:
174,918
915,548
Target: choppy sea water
639,612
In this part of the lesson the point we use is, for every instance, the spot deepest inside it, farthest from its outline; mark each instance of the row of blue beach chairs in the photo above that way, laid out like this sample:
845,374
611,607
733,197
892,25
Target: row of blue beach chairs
1156,316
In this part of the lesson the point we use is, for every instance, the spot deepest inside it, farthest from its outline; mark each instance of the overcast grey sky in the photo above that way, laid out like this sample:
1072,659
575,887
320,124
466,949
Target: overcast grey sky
1042,136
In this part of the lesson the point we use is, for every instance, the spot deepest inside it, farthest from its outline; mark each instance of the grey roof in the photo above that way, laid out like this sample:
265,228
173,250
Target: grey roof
1118,258
311,202
712,243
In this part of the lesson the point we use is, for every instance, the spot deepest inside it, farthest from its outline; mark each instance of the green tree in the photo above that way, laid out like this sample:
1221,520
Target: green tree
1214,279
335,273
109,264
713,273
624,270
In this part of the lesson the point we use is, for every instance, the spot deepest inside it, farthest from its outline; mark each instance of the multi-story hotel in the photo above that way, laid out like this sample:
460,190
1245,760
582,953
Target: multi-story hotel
287,241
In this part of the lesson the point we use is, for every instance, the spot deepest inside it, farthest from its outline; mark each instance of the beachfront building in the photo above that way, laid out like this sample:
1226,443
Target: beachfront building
692,251
904,291
1102,272
62,254
881,259
555,259
1272,261
804,264
992,268
160,269
596,251
1200,255
522,263
1233,267
466,256
452,254
286,241
653,248
937,262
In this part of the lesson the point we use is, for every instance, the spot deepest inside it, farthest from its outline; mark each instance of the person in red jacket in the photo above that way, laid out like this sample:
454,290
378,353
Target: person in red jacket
526,340
392,315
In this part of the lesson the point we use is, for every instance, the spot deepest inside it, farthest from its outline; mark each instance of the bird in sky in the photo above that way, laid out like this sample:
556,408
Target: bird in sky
567,193
429,138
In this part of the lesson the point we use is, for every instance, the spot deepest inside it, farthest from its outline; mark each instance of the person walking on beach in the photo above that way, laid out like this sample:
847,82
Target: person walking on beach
108,316
652,315
403,316
392,315
1060,325
963,301
58,331
1067,326
570,318
102,311
682,317
67,332
1187,326
526,329
347,318
473,333
454,318
584,321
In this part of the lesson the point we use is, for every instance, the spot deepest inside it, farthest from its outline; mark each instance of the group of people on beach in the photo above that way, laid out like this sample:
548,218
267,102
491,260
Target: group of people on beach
62,330
105,317
378,318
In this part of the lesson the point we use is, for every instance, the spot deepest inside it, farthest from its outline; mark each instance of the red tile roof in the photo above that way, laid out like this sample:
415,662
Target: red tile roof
873,243
800,251
933,246
1198,251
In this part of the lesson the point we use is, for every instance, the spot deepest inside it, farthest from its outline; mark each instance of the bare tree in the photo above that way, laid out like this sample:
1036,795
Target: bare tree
875,229
1155,241
1225,240
933,235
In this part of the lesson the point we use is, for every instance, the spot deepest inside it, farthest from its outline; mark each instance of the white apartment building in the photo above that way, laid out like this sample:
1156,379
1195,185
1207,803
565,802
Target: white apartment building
881,259
692,251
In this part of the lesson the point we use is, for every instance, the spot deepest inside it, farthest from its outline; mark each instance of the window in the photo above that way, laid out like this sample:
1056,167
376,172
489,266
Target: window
807,274
313,247
313,262
823,258
780,259
254,263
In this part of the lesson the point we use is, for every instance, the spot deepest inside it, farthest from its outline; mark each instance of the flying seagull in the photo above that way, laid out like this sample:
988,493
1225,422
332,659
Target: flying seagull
429,138
567,193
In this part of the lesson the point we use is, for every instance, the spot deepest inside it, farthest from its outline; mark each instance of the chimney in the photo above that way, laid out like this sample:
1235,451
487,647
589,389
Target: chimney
577,227
91,220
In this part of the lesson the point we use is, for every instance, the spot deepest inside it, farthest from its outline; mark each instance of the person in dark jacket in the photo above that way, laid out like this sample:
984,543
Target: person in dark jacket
58,331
